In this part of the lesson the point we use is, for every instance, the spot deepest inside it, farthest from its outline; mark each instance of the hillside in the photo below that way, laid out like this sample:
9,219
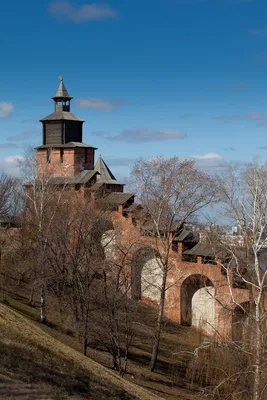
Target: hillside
51,355
35,365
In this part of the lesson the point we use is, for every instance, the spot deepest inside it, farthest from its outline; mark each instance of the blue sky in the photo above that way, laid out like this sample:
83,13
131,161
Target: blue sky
170,77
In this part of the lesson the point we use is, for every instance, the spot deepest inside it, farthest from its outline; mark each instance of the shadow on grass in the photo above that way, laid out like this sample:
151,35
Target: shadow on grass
40,366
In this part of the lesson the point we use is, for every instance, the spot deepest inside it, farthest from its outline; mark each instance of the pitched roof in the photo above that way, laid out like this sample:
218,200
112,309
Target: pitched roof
62,115
119,197
80,178
182,236
62,91
106,176
84,176
69,145
200,249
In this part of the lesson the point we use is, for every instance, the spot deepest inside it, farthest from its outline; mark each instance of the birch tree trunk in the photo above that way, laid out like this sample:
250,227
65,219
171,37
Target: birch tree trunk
155,350
258,351
43,304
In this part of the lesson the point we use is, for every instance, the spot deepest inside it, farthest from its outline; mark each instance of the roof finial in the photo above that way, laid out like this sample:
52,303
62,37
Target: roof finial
62,92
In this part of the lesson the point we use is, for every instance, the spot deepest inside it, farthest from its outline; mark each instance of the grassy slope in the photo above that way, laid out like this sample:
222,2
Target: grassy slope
171,379
36,365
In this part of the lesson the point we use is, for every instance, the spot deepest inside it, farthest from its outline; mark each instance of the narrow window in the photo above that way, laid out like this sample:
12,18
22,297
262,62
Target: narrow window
48,156
85,156
61,155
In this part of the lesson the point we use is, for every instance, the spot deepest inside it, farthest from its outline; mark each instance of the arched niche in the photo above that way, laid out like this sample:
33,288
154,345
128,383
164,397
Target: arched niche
101,230
151,279
197,303
203,309
146,271
108,242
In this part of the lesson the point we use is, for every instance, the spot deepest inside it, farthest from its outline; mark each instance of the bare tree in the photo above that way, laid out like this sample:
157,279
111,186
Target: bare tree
244,201
43,199
118,307
75,256
171,191
11,201
10,216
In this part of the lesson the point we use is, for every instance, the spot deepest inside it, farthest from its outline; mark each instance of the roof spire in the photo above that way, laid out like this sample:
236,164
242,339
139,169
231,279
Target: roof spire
106,176
62,98
62,93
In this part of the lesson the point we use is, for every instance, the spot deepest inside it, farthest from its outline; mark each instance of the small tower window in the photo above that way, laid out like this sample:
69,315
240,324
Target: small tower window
48,156
61,155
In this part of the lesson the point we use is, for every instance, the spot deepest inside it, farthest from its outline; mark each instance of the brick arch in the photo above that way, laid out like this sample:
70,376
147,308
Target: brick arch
189,286
140,258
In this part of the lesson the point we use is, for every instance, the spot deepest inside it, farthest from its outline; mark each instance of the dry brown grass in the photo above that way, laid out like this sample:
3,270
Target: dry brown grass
169,381
33,356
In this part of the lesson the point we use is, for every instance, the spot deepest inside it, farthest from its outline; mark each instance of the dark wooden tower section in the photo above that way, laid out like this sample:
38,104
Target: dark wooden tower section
63,152
62,126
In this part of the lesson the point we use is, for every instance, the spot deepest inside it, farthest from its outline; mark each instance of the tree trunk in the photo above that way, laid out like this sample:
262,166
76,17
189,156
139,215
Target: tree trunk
154,355
257,380
19,280
30,302
85,345
43,305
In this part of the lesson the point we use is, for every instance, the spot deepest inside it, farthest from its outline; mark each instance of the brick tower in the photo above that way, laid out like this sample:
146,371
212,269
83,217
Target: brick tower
68,161
63,153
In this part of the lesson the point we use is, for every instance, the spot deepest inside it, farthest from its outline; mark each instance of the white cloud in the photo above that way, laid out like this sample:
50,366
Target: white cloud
119,162
82,13
185,116
230,148
254,116
260,32
208,156
6,109
147,135
227,118
9,165
99,104
241,85
189,2
13,159
262,57
208,160
241,1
